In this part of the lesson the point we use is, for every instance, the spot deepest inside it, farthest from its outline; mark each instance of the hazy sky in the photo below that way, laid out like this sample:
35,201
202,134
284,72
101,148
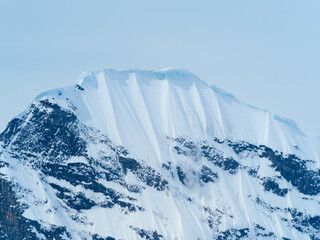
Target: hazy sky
267,53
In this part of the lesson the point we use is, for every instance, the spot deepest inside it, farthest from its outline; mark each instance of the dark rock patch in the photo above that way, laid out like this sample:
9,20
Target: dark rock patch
253,172
294,170
134,188
213,217
271,185
240,147
145,173
208,175
14,226
50,131
75,174
181,175
3,164
81,174
212,155
149,235
190,149
185,147
11,130
97,237
262,232
291,167
303,222
233,233
266,205
168,166
77,201
79,87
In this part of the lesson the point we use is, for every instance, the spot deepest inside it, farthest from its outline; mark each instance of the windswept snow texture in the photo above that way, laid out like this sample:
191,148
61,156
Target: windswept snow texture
155,155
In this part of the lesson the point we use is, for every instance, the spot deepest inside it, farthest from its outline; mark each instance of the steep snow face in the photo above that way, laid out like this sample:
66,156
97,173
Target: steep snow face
139,108
155,155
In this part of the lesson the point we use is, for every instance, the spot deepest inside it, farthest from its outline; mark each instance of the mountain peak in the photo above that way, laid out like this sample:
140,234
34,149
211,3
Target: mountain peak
182,77
180,102
129,154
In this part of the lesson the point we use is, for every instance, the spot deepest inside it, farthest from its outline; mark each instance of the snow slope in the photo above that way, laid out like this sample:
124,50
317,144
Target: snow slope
152,104
159,155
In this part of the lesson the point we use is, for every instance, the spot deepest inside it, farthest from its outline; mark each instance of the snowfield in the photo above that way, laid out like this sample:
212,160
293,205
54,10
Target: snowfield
156,155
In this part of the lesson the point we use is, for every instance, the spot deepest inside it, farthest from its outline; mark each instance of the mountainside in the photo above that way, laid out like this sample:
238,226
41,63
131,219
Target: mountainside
155,155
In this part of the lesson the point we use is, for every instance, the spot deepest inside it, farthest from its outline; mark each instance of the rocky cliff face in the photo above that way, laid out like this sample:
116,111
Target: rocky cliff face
155,155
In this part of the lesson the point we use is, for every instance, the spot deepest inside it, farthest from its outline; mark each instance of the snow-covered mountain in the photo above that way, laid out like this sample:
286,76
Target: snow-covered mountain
155,155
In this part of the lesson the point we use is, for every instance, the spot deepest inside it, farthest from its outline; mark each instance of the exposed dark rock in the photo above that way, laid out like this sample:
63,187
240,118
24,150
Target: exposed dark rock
230,165
218,140
97,237
271,185
253,172
181,175
129,164
303,222
76,201
48,135
227,164
180,151
81,174
3,164
79,87
262,232
266,205
294,170
291,167
186,147
132,187
149,235
208,175
14,226
75,174
239,147
167,166
234,234
314,237
11,130
145,173
213,217
190,149
50,131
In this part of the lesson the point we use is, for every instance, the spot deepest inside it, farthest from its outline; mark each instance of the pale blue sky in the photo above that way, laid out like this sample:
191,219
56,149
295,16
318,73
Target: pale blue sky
266,53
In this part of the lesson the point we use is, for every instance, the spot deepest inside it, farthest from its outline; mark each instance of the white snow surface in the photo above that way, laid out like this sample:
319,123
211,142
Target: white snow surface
140,110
